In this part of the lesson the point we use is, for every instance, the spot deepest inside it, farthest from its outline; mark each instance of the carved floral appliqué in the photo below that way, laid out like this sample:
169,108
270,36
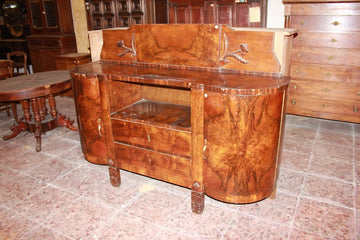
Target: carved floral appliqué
234,54
127,49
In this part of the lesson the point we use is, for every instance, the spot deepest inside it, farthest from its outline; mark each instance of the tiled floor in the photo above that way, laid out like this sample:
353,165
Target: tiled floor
56,194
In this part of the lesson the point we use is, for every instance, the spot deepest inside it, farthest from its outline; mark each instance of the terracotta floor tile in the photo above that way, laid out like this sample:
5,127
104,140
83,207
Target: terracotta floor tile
247,227
332,168
80,219
328,190
357,173
299,134
298,146
14,225
26,161
297,234
325,219
336,127
125,226
290,181
335,138
42,233
156,205
341,153
167,234
45,202
81,180
51,169
211,224
56,146
18,188
281,209
302,121
295,160
357,197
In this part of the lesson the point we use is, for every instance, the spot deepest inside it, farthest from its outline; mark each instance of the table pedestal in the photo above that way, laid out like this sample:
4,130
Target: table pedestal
40,121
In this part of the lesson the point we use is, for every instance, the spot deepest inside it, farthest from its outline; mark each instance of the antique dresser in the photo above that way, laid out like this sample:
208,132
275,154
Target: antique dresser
203,110
325,63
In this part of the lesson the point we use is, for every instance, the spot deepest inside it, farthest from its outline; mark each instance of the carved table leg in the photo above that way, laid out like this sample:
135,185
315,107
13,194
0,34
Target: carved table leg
62,120
35,104
20,125
197,198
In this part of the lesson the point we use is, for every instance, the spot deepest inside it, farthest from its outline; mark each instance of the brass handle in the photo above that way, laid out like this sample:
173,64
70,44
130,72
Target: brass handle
333,40
148,138
99,127
356,109
331,58
298,55
326,90
301,38
323,105
358,93
335,23
302,22
328,74
295,87
296,71
293,102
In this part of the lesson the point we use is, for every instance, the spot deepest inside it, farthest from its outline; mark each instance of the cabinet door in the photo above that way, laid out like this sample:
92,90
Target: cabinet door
44,59
43,16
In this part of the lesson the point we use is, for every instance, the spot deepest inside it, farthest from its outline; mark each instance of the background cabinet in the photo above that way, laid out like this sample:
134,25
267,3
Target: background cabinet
325,63
52,31
116,13
236,13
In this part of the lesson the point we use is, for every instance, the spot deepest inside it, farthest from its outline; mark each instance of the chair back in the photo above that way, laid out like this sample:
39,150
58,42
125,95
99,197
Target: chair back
6,69
20,61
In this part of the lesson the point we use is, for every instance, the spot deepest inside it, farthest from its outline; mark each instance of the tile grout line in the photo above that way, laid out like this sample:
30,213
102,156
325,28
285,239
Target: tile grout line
302,186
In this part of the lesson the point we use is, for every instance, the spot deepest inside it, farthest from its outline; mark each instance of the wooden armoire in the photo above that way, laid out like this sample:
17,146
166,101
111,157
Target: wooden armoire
52,32
325,63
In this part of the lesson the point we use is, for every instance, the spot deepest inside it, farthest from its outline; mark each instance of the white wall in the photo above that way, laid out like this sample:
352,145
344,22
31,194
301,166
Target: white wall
275,14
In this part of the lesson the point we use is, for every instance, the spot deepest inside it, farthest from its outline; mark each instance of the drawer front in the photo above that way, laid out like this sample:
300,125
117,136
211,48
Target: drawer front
323,108
329,40
324,91
326,9
328,56
156,138
329,23
161,166
325,72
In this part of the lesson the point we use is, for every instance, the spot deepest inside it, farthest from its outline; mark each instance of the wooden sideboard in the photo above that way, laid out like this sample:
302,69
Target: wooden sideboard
325,63
200,111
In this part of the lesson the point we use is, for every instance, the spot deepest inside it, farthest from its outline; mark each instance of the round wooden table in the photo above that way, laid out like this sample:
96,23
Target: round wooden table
33,90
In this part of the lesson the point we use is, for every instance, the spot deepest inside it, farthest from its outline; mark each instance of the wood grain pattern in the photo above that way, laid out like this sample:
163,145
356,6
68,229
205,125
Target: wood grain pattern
87,93
242,134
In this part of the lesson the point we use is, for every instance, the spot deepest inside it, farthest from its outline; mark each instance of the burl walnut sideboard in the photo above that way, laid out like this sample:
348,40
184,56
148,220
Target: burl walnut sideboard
200,106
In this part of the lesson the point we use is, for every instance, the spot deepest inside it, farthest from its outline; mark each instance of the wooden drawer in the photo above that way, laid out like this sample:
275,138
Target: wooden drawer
70,60
341,92
160,139
325,72
161,166
323,108
325,9
330,40
328,56
326,23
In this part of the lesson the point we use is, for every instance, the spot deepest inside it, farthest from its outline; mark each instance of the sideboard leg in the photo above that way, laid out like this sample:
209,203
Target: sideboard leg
115,179
197,198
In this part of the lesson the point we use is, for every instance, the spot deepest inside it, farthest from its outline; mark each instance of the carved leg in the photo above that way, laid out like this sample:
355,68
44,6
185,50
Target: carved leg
52,104
16,129
14,109
66,122
115,178
35,104
26,110
197,198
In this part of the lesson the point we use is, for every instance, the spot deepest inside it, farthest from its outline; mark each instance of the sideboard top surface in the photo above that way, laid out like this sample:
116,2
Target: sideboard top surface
248,83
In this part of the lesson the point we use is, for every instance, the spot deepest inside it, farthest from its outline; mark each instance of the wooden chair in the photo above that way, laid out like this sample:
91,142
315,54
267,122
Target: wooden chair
6,71
20,61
